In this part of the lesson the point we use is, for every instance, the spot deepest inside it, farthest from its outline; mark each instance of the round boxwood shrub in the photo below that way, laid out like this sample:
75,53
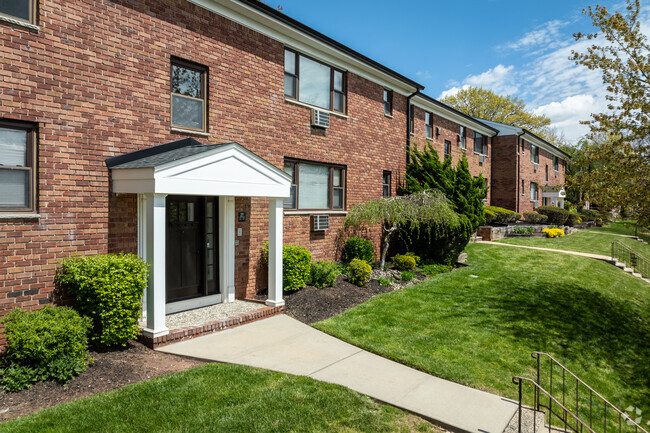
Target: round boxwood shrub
360,272
108,288
556,215
573,220
296,265
499,215
404,262
358,248
535,218
324,273
46,344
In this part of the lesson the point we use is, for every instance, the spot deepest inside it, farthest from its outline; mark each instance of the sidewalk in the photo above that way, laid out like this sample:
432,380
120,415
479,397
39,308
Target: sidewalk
284,344
574,253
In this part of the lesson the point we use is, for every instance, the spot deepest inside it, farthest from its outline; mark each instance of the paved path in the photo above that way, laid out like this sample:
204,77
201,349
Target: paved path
611,234
284,344
575,253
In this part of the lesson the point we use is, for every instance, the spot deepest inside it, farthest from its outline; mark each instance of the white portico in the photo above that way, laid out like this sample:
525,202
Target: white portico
186,221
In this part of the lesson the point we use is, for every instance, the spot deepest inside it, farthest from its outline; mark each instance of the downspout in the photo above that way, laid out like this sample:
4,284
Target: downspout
408,125
518,198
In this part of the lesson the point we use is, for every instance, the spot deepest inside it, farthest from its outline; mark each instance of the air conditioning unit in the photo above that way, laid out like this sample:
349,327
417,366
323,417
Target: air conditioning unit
482,159
320,118
320,223
536,166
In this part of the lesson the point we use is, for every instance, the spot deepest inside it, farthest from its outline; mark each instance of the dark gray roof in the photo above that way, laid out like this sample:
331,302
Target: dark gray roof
158,155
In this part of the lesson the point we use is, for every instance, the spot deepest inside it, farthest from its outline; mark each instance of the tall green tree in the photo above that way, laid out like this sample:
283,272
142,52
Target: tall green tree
485,104
619,151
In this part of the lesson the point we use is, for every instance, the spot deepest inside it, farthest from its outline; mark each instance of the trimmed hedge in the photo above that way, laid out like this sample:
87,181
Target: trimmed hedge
358,248
324,273
499,215
404,262
535,218
360,272
589,214
108,288
556,215
296,265
46,344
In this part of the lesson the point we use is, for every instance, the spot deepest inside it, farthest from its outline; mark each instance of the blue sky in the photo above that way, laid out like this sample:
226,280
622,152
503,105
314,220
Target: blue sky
517,47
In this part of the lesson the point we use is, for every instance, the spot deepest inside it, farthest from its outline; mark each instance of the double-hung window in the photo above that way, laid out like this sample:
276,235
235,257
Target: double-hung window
428,124
480,145
555,164
388,102
313,82
463,137
386,181
412,119
534,154
17,167
21,10
533,191
315,186
447,149
189,95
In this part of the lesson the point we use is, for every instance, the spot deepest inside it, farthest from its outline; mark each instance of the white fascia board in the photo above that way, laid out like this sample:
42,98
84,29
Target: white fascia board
292,38
450,115
543,145
219,188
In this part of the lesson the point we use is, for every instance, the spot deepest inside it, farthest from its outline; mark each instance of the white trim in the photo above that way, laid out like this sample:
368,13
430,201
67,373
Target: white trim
20,23
189,131
299,41
451,115
19,216
156,227
142,241
227,248
315,212
191,304
275,252
313,107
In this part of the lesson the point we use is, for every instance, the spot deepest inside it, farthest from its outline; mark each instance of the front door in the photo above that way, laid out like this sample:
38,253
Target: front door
191,259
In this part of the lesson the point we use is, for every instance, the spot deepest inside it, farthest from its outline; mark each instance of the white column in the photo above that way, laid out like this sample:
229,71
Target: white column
142,242
276,209
227,248
155,252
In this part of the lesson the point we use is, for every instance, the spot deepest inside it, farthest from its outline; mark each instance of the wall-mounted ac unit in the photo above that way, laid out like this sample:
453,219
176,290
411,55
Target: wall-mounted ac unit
482,159
320,118
320,223
536,167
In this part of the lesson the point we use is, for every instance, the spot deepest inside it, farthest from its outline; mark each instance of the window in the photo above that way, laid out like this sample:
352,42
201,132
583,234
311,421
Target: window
388,102
313,82
534,154
386,181
315,186
447,149
188,88
463,138
23,10
412,121
17,167
480,144
546,172
523,187
533,191
555,163
428,123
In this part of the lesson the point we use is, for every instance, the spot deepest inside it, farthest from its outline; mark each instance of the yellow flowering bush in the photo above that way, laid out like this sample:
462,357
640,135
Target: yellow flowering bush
554,233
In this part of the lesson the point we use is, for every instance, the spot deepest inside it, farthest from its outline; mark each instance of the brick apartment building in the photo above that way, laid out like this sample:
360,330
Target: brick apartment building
527,171
191,133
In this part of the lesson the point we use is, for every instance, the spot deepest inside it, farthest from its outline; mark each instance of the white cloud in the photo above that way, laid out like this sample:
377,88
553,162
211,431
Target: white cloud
498,79
545,36
567,114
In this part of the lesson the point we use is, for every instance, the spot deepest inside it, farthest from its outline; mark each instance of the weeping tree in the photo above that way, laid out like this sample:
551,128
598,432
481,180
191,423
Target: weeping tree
426,211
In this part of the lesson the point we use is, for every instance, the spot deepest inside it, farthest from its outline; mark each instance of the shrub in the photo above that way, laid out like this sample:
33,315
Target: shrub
384,281
438,242
46,344
554,233
404,262
416,257
296,265
360,272
407,276
535,218
435,268
108,288
573,219
556,215
501,215
358,248
589,214
324,273
523,230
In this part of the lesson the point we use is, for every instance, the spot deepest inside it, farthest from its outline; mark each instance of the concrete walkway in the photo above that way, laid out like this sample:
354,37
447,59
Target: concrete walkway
284,344
574,253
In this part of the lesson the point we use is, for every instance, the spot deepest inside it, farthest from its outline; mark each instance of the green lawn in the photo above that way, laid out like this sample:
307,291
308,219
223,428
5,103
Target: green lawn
223,398
478,325
618,227
584,241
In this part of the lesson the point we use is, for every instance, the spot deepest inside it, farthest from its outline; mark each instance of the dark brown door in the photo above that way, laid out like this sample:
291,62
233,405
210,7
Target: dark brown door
185,249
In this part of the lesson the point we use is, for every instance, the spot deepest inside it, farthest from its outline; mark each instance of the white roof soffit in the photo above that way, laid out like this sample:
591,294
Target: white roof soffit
253,19
229,170
542,144
451,115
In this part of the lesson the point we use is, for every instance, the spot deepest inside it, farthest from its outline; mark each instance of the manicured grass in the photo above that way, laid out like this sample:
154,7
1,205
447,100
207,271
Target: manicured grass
478,325
620,227
584,241
223,398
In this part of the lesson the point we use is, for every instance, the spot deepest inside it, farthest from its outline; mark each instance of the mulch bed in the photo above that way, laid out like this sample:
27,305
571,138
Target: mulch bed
110,370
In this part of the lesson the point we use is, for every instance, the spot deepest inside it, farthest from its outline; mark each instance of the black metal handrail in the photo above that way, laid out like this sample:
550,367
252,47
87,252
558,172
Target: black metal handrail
631,258
593,395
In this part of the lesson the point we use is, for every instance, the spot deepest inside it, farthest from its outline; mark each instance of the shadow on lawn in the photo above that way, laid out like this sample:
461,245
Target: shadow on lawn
576,325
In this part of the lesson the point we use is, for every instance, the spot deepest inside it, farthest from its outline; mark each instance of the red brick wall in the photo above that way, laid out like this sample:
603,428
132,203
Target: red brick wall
504,171
96,80
529,174
449,130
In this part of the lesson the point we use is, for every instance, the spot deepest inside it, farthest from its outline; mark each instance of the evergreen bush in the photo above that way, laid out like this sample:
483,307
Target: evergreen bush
556,215
535,218
404,262
324,273
501,215
358,248
360,272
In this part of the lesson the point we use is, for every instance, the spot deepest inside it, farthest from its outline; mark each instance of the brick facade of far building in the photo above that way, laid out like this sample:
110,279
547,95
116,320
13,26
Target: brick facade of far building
89,80
527,171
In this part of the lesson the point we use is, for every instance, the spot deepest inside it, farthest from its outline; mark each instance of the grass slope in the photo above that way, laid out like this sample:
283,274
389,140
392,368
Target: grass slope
481,331
222,398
